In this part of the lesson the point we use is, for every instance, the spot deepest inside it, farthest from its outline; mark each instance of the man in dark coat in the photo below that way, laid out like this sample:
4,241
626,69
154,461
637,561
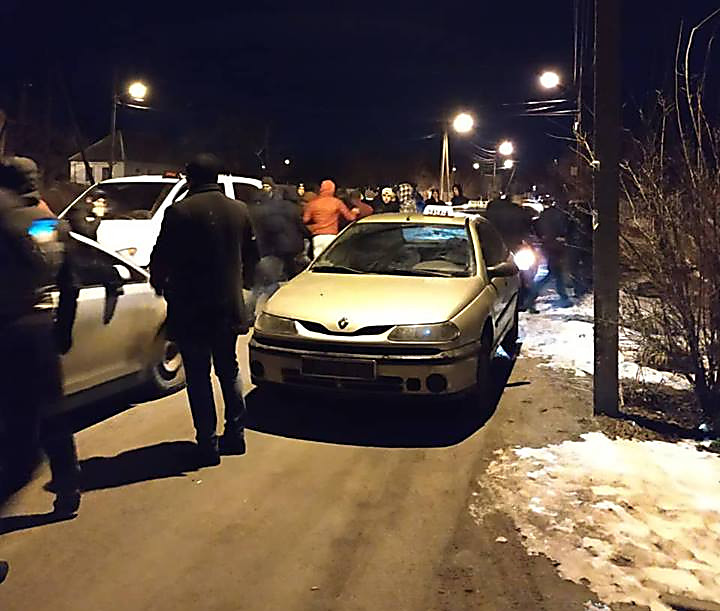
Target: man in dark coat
197,264
552,229
512,222
279,229
33,256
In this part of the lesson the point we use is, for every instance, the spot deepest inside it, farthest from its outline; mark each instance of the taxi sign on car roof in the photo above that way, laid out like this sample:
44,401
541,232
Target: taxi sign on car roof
438,210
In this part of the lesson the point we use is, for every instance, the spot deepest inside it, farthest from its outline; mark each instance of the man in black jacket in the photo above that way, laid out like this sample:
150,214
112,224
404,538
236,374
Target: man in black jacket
33,256
279,228
197,264
512,222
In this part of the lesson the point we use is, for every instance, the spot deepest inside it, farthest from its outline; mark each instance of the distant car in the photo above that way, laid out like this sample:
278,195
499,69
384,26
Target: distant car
119,341
125,214
397,304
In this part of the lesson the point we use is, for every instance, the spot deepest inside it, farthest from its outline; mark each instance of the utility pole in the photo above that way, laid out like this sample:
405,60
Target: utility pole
606,186
445,167
113,122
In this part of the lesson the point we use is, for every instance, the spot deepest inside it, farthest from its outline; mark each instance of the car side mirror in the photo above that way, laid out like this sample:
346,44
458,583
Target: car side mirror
506,269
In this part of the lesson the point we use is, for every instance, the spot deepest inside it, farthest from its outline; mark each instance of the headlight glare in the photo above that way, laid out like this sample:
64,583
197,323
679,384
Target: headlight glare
524,258
440,332
275,325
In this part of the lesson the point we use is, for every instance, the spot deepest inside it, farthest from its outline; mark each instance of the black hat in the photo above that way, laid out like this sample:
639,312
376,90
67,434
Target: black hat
20,175
268,180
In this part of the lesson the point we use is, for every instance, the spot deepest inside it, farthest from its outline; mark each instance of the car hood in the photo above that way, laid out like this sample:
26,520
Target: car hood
370,300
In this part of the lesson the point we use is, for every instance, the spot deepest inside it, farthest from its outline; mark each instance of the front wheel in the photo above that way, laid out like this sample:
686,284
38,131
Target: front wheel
509,343
167,374
480,394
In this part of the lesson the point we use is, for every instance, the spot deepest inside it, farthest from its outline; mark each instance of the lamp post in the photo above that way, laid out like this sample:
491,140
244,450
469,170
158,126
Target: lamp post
462,123
137,92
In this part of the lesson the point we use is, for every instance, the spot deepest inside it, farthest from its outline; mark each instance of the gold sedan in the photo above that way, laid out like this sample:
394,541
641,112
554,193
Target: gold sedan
407,304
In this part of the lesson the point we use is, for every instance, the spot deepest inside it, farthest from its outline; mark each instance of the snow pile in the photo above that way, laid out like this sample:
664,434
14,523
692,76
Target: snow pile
565,336
632,519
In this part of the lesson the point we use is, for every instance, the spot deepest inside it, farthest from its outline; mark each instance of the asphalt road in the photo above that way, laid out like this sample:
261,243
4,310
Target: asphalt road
337,505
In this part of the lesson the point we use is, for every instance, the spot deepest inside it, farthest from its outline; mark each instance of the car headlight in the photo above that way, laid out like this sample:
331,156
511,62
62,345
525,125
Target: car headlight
525,258
128,252
275,325
440,332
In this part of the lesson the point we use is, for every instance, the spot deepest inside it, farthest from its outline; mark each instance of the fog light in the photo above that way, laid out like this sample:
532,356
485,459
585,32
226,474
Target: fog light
436,383
257,369
413,384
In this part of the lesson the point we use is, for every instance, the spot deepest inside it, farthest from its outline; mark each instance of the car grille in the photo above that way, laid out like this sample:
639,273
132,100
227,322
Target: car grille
380,384
316,327
346,348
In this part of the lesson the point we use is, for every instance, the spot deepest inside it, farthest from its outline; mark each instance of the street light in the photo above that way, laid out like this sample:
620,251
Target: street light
476,166
508,164
138,91
463,123
287,161
506,148
549,79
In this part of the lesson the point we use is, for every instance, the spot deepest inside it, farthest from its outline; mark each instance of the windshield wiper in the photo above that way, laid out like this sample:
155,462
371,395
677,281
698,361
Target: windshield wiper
335,269
418,272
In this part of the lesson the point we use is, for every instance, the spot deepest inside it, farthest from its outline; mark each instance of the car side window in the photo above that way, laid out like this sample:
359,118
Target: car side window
93,267
493,248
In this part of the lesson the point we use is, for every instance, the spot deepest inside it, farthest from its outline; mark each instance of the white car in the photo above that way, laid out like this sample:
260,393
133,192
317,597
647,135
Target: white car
130,210
119,341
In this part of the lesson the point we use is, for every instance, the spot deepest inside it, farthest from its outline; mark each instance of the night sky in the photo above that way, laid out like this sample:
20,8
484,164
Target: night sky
356,92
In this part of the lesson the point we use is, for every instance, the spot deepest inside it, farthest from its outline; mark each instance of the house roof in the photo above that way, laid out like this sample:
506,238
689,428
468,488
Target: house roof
138,147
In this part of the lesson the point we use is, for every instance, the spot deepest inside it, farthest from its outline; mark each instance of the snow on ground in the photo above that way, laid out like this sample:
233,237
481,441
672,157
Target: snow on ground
631,519
565,336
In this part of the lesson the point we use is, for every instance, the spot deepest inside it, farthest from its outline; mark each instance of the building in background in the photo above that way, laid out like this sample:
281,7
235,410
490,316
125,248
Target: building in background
135,154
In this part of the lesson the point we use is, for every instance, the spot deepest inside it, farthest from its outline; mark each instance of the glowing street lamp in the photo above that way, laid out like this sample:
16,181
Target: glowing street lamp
138,91
508,164
287,161
476,166
506,148
463,123
549,80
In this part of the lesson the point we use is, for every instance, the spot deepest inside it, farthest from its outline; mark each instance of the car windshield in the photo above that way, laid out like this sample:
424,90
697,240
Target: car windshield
125,200
400,249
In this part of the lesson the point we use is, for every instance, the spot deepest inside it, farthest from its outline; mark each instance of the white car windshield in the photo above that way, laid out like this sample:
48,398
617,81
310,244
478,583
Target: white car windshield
125,200
400,249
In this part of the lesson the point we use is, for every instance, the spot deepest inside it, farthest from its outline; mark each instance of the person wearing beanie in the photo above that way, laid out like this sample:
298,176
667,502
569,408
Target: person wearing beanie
21,175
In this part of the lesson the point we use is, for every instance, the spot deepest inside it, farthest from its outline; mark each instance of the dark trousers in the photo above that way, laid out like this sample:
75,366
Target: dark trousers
556,271
198,353
31,387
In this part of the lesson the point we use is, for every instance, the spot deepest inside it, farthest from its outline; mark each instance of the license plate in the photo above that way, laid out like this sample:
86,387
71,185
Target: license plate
332,368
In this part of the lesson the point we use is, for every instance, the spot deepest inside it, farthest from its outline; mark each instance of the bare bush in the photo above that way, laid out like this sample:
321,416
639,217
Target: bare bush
671,238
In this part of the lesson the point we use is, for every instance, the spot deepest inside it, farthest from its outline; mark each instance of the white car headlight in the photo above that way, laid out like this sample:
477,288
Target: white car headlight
525,258
440,332
275,325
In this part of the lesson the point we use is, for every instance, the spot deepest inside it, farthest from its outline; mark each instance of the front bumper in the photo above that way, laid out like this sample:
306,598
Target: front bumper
444,373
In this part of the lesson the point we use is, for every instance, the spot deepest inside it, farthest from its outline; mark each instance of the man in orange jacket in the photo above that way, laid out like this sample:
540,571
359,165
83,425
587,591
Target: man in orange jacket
322,216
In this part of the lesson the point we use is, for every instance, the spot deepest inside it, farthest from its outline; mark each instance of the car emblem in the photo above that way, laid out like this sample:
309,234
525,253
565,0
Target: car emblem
343,323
